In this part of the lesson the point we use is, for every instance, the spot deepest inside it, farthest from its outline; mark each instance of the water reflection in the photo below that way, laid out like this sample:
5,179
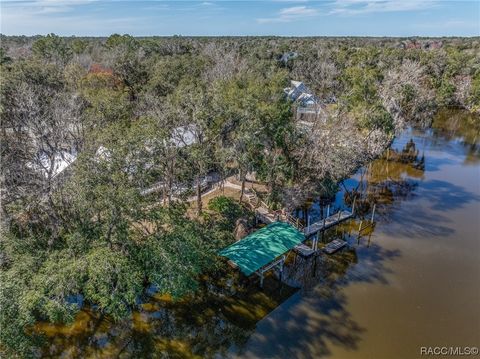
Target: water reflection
395,177
222,314
460,126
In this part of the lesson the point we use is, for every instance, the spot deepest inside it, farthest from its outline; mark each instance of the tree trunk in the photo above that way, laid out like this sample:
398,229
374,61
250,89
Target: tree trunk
164,193
171,174
243,179
170,185
199,197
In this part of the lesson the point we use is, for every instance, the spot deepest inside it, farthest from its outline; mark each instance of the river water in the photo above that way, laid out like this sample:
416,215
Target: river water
409,280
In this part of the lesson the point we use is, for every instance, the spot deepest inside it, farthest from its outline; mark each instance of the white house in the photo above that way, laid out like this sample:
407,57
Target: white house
296,90
305,100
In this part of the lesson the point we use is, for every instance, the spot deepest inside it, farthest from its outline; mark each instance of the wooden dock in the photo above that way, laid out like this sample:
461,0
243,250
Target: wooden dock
334,246
328,222
267,216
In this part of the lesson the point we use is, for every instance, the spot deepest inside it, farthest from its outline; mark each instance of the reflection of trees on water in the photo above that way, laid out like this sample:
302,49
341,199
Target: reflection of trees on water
461,125
389,179
222,314
386,181
383,182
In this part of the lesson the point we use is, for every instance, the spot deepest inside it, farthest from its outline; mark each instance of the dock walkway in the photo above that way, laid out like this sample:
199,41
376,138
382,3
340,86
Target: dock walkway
267,216
328,222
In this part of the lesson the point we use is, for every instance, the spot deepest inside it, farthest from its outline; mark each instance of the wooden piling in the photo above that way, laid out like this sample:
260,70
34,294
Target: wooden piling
281,267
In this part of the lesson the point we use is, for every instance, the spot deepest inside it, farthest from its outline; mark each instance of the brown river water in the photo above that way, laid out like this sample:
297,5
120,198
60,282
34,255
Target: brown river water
410,280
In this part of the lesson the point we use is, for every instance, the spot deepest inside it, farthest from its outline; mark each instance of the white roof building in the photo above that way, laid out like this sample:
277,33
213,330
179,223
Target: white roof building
296,90
53,165
304,98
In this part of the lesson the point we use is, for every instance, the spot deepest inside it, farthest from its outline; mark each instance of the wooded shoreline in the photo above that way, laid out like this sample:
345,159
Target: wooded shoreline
89,124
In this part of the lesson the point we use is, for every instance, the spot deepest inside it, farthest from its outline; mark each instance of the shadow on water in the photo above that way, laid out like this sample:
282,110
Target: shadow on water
418,223
325,320
334,270
436,163
446,196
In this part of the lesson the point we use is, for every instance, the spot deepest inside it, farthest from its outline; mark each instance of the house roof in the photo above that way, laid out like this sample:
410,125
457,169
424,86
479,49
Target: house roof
263,246
285,57
55,165
296,83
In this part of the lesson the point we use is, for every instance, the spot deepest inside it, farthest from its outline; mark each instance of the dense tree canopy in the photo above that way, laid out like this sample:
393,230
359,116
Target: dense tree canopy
162,113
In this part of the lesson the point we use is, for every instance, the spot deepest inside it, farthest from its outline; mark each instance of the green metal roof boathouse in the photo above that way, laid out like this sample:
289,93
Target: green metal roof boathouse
262,247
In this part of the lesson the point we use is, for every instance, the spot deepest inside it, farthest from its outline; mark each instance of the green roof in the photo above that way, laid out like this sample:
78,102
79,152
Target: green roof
263,246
